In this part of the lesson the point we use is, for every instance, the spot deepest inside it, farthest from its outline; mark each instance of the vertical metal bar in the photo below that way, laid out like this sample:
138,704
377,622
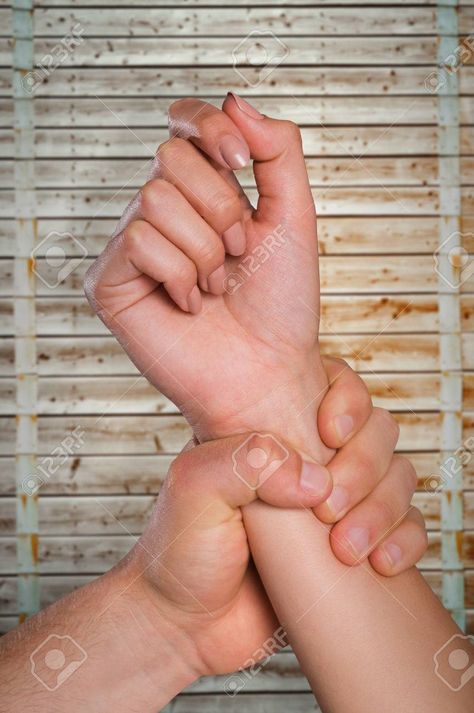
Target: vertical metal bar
450,315
24,315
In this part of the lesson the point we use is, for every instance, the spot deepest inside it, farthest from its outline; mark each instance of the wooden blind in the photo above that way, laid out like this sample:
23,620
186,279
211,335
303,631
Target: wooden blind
387,119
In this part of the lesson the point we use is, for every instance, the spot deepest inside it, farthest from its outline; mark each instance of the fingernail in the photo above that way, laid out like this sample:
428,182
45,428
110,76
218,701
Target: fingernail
234,152
246,107
314,478
338,501
393,553
344,425
358,538
215,281
234,239
194,300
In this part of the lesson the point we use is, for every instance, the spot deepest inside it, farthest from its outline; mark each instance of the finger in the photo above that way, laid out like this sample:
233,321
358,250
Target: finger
214,479
359,465
211,130
369,523
279,165
160,203
403,547
346,406
142,255
183,165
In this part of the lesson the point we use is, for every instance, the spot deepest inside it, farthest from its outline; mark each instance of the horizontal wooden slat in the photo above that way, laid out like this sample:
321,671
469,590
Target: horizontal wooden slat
169,434
236,21
176,81
208,51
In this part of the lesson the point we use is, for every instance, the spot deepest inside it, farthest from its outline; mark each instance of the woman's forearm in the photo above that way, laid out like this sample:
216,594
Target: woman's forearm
365,642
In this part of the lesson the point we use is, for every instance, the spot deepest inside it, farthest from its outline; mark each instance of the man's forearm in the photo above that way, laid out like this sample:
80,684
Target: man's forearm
365,642
103,648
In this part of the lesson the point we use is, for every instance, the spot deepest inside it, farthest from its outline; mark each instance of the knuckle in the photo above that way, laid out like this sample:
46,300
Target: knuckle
223,202
389,422
385,512
152,192
185,273
171,149
365,470
210,255
292,131
408,472
133,235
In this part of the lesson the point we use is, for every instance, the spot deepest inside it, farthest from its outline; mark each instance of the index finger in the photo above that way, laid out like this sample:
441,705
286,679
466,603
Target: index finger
211,130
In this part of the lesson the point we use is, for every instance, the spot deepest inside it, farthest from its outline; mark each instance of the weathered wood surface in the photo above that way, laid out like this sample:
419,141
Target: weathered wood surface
236,21
196,51
168,433
298,81
329,111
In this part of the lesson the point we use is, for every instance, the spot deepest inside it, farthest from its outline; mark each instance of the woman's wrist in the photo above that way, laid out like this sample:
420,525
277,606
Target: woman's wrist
289,409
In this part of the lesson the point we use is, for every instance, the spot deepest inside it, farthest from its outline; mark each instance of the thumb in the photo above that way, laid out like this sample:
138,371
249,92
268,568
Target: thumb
212,480
279,165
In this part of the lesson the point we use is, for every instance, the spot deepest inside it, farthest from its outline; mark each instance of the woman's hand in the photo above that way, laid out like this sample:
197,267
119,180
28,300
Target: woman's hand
192,563
231,362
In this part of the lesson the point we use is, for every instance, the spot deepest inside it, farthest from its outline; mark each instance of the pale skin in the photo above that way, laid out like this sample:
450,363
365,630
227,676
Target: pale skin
238,363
